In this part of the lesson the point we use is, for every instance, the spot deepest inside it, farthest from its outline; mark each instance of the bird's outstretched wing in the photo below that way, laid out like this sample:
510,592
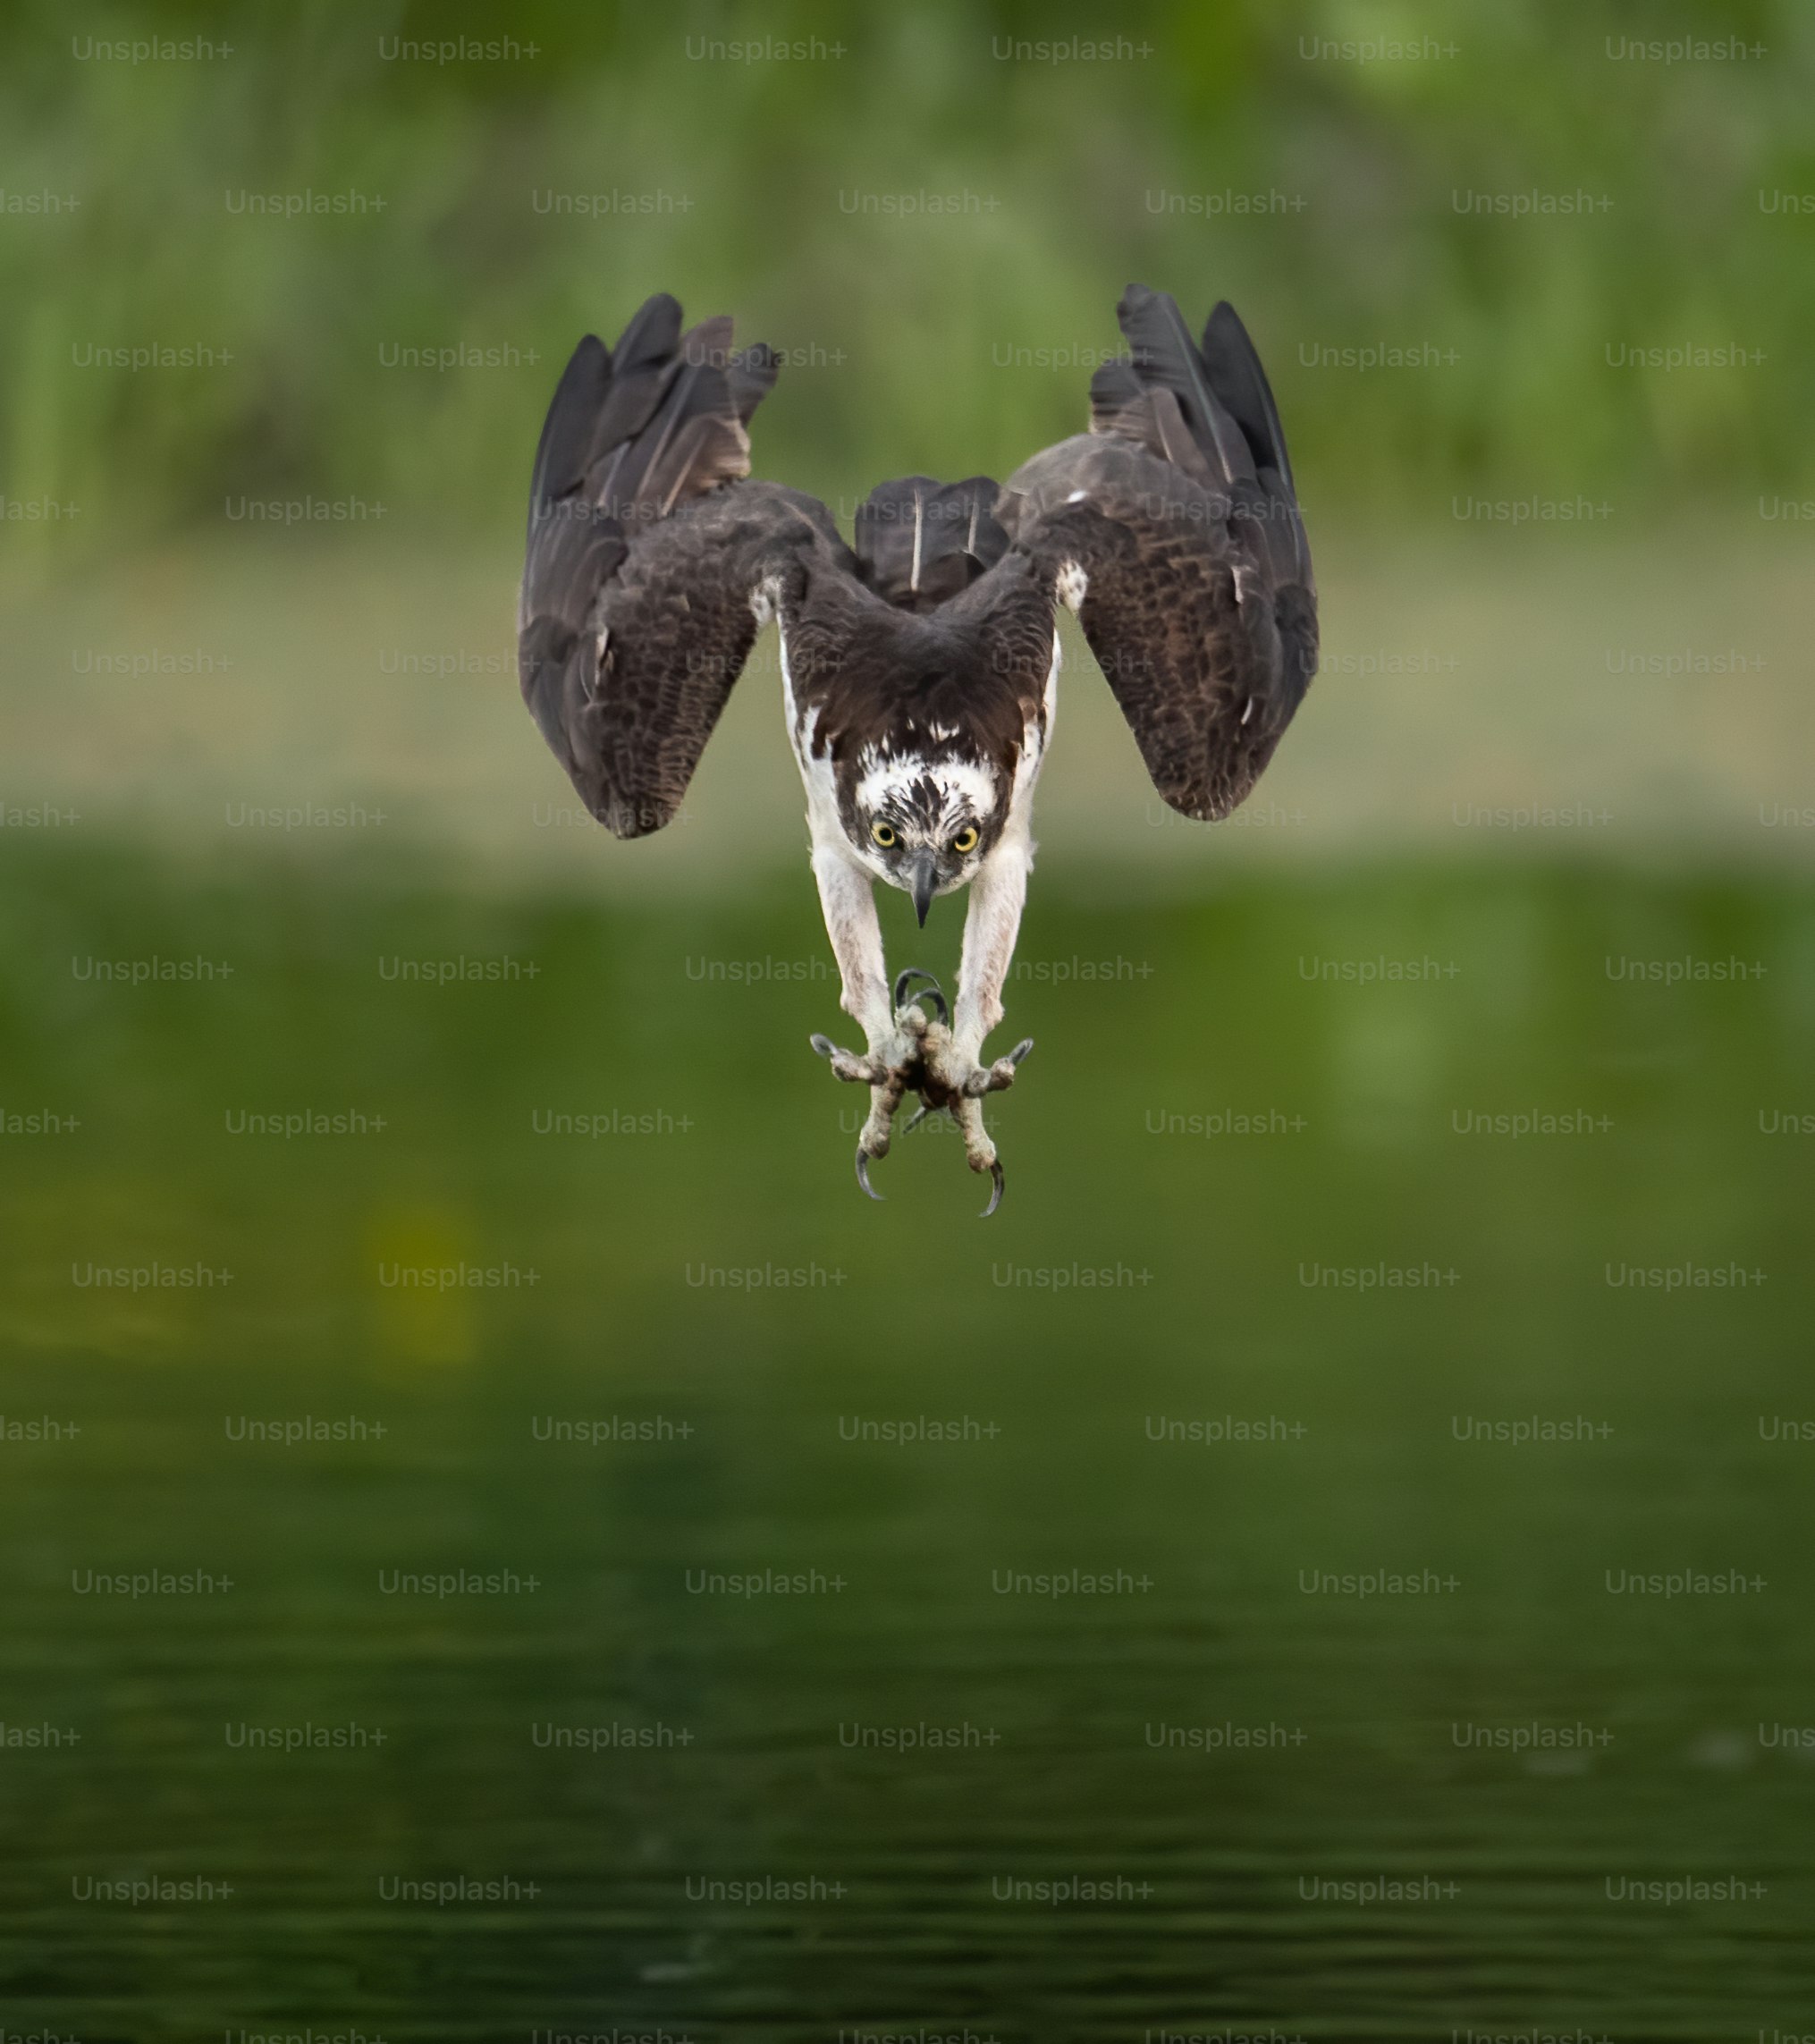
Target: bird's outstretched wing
646,557
1173,530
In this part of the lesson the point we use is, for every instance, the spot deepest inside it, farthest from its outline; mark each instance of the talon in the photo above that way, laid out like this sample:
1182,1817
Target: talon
846,1064
996,1190
999,1077
933,990
920,1114
863,1175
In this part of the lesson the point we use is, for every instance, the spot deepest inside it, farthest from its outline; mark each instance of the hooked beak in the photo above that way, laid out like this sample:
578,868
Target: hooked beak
925,873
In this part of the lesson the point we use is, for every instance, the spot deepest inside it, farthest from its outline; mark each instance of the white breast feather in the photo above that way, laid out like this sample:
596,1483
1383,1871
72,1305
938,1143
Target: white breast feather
816,771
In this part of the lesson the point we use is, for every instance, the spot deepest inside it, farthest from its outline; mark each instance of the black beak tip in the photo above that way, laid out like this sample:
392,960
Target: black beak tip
925,884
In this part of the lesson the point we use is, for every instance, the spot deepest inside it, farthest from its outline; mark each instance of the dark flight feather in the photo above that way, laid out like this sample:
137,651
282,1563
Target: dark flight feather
1222,398
1165,359
751,373
1236,375
562,451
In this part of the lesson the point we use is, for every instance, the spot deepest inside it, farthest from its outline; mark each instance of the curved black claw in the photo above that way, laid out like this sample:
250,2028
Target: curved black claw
920,1114
996,1191
823,1045
1021,1050
933,989
864,1174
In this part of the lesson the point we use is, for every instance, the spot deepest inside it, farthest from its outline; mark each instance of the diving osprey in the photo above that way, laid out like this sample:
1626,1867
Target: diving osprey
918,664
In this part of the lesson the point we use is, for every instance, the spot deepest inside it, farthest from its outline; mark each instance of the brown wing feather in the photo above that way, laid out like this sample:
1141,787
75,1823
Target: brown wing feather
1178,511
644,553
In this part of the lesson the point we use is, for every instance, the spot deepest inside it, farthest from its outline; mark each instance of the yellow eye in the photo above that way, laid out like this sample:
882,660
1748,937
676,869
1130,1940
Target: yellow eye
966,840
882,835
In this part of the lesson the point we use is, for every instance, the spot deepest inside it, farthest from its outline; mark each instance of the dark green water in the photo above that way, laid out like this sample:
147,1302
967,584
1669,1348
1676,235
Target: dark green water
1195,1747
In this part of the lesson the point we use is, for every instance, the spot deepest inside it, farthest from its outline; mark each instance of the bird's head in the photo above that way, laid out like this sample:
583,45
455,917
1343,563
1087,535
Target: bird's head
925,826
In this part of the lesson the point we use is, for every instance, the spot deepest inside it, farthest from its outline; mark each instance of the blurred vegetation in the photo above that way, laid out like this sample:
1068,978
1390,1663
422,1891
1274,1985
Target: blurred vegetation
902,326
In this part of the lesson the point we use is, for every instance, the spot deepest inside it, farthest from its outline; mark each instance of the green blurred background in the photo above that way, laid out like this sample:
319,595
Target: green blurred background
1079,171
1550,745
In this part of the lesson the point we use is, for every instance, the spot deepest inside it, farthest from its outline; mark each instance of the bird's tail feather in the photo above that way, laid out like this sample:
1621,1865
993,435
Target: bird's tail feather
919,543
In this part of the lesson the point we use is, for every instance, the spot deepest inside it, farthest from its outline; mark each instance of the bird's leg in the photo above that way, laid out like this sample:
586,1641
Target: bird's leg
892,1040
849,907
997,897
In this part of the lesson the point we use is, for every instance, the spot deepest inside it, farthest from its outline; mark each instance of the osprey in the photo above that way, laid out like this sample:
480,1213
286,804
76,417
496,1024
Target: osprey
919,663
